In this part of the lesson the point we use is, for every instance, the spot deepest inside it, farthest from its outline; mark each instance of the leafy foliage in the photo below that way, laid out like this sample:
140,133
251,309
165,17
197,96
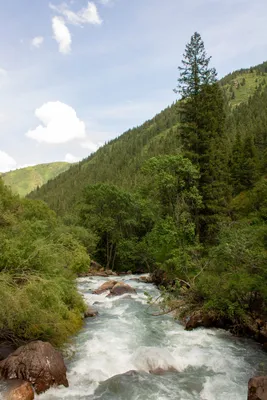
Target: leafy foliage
39,258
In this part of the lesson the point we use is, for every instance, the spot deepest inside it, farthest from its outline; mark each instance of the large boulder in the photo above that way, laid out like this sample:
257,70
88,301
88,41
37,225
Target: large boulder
38,363
105,286
257,388
23,392
121,288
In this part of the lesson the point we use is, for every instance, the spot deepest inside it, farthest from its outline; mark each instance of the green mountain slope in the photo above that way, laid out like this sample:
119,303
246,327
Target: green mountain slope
120,160
24,180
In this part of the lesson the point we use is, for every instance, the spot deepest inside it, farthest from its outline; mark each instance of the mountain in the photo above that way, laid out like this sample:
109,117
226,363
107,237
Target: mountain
25,180
119,161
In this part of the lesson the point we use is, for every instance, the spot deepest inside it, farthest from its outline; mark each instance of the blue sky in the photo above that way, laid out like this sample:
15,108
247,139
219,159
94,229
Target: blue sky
76,74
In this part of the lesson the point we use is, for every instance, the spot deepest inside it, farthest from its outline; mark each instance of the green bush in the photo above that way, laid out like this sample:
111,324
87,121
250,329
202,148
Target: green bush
39,259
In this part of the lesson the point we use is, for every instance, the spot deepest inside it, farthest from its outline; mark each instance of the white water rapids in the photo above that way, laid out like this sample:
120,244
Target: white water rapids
210,364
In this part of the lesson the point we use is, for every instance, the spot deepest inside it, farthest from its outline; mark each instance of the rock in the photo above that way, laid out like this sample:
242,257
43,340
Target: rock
160,278
129,272
99,273
110,272
146,279
257,388
121,288
105,286
38,363
90,312
6,349
199,319
95,266
22,392
162,371
132,372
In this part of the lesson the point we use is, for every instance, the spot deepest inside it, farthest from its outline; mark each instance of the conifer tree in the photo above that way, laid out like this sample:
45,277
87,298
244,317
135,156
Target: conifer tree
250,170
236,161
195,71
202,133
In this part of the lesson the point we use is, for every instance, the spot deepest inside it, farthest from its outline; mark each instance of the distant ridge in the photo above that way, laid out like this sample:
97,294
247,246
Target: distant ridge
25,180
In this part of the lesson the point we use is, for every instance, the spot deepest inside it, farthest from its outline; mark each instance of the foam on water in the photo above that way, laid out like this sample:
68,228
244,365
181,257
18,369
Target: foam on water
210,364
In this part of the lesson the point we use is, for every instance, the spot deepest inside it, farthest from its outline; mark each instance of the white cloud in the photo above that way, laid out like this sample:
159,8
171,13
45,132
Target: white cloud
37,41
91,145
70,158
61,35
6,162
60,124
87,15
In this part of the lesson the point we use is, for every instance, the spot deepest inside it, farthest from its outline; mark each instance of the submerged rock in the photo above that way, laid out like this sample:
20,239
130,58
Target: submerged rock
23,392
121,288
90,313
38,363
257,388
105,286
154,360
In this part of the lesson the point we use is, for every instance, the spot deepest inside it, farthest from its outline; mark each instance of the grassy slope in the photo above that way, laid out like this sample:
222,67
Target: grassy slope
119,161
238,93
24,180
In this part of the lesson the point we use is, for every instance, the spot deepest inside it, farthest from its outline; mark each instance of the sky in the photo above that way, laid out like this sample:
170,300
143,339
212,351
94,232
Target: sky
75,74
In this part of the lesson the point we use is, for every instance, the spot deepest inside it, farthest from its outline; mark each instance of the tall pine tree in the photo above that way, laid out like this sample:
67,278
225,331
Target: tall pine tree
202,133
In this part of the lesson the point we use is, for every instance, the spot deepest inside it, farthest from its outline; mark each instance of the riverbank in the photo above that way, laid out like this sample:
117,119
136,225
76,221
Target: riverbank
190,310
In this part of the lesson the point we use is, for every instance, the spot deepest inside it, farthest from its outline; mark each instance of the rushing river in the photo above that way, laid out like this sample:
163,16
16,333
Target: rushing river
211,364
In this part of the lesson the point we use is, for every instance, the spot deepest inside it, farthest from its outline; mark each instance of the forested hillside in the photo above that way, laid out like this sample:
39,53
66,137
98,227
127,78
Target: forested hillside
184,195
119,161
24,180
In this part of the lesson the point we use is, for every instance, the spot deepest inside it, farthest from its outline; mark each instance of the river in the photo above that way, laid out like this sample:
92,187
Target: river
210,364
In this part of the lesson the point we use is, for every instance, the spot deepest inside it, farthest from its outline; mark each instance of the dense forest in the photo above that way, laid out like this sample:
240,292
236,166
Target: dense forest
184,195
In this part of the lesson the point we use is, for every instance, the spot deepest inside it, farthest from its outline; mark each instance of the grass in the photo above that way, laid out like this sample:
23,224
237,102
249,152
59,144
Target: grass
24,180
244,85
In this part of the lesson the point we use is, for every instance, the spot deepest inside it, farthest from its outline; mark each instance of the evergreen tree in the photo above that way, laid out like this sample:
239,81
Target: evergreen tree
250,170
244,164
195,71
236,161
202,132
